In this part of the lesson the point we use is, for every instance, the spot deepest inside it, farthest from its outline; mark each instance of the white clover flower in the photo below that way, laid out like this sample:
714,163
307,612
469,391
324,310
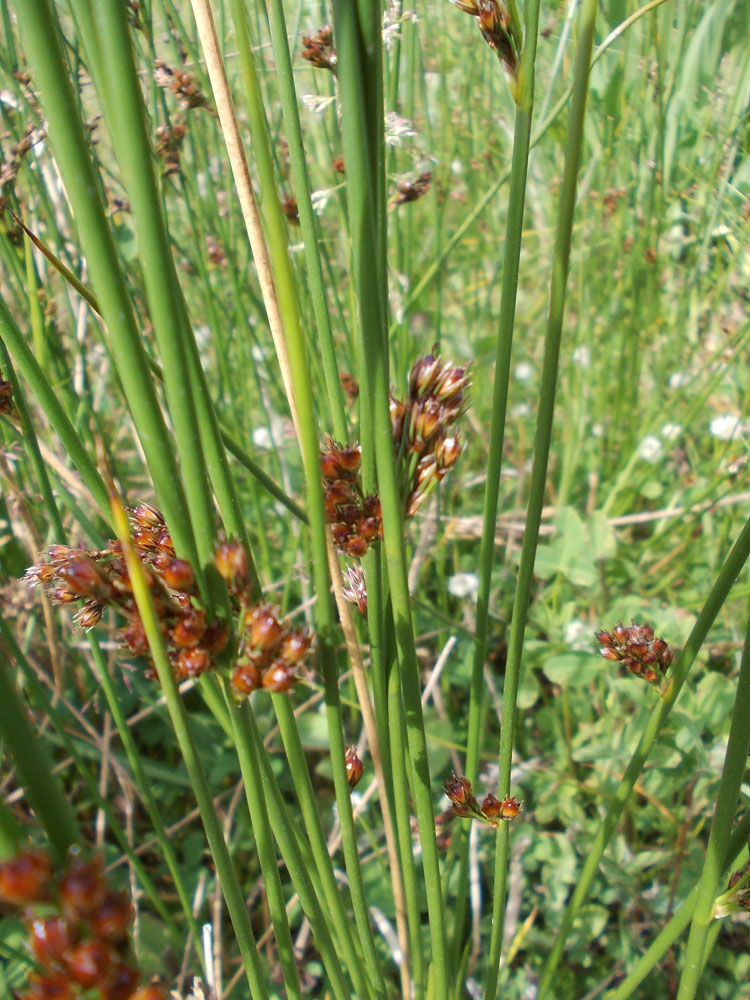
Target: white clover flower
581,356
678,379
726,426
464,585
317,103
523,371
397,129
650,448
670,431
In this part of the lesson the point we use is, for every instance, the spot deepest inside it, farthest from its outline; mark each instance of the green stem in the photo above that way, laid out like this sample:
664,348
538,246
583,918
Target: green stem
560,263
513,238
31,759
735,765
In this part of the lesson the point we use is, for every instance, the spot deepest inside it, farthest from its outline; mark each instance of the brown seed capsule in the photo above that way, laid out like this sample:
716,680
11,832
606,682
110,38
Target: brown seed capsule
264,631
122,981
354,767
232,563
90,963
491,806
51,938
510,808
192,662
458,789
216,637
25,878
112,918
189,631
295,646
152,992
279,677
178,575
82,888
356,546
246,678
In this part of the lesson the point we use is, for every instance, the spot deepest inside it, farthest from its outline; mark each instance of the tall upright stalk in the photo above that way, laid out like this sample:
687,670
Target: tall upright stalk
511,257
558,286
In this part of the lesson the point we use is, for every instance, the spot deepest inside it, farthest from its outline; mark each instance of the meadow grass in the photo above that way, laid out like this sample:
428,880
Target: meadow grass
195,293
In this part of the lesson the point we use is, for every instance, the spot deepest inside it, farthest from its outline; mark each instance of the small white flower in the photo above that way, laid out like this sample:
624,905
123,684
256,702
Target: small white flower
317,103
464,585
258,354
678,379
650,448
582,356
726,427
457,166
670,431
597,430
578,634
397,128
520,410
320,199
524,371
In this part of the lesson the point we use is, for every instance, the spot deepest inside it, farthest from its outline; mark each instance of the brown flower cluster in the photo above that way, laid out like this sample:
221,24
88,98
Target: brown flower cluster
168,145
100,579
317,48
493,19
6,396
290,209
77,928
18,151
411,190
182,85
492,810
426,442
636,647
270,654
355,519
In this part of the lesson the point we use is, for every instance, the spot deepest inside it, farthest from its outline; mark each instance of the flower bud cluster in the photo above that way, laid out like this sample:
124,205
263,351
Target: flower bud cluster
355,519
100,579
182,85
422,424
637,649
168,145
77,928
494,20
492,810
317,48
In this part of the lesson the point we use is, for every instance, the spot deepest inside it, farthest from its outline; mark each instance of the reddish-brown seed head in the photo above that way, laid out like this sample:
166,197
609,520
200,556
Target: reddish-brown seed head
25,878
51,938
82,887
90,963
246,678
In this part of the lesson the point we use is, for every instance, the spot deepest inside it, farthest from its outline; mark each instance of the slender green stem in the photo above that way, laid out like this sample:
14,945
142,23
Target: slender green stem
31,758
247,753
308,220
511,257
723,584
10,833
735,765
558,286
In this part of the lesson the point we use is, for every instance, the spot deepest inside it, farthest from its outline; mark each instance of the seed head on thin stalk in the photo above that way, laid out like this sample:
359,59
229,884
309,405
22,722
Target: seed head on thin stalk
494,19
492,811
317,48
638,650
